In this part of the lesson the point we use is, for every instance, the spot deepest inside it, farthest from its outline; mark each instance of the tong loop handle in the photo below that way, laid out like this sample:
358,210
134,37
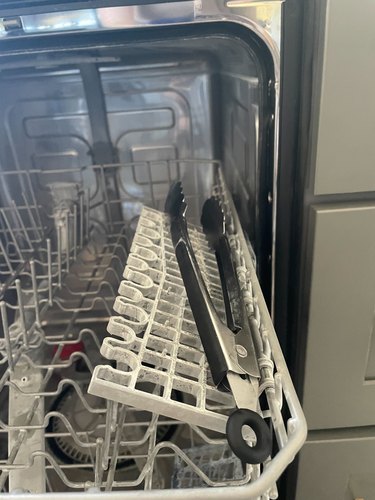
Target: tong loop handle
249,454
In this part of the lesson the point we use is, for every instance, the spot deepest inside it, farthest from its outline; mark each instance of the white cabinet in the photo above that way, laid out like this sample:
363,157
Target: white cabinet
339,388
337,468
345,154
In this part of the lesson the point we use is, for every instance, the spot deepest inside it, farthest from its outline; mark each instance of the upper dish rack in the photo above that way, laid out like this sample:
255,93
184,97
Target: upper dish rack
65,238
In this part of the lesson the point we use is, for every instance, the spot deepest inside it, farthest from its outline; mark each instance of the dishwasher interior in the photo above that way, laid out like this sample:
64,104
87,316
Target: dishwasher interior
89,135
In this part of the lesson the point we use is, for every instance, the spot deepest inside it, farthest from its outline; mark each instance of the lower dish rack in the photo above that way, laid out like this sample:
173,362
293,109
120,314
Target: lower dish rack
86,412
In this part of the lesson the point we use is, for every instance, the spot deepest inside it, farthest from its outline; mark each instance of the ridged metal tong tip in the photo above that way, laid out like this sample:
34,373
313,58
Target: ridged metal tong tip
213,220
175,204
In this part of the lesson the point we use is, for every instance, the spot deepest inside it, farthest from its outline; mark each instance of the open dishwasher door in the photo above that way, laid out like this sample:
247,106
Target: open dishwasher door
103,108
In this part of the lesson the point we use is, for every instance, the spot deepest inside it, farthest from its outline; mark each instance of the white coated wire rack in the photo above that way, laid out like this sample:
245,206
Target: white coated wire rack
65,236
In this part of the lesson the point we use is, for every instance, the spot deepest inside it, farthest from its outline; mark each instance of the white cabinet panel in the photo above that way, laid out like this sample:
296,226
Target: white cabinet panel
345,154
337,469
339,388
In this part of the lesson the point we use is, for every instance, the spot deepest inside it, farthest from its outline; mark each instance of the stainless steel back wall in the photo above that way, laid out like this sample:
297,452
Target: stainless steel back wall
197,97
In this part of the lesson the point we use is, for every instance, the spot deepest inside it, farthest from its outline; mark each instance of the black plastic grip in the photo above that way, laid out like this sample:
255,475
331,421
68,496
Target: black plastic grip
249,454
203,311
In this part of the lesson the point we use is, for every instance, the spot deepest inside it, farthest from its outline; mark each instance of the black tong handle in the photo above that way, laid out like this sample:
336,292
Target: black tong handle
207,323
228,281
204,313
217,338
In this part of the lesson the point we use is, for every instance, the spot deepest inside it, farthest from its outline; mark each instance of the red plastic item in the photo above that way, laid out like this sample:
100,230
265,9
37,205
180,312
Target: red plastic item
69,349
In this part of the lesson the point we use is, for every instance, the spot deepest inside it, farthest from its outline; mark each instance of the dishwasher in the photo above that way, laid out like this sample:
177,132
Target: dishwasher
104,106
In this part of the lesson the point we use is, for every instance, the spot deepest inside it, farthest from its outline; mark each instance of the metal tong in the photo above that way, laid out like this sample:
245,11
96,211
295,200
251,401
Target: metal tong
229,348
